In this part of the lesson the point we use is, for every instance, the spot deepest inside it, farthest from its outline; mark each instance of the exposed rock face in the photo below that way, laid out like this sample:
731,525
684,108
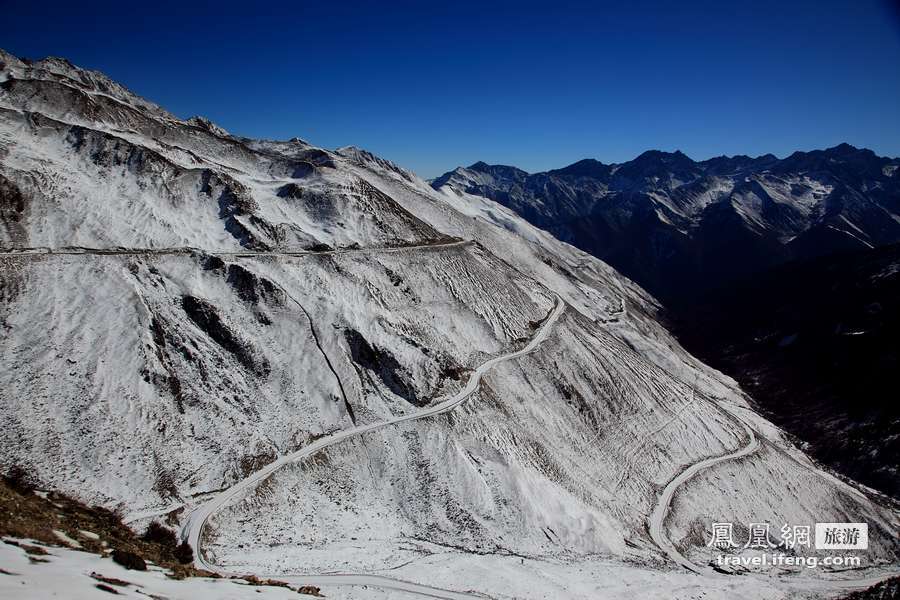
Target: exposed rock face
690,231
382,364
188,307
205,316
680,227
13,208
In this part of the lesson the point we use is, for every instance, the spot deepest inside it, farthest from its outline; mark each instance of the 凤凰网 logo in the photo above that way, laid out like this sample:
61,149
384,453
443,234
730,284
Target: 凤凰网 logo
842,536
828,536
760,545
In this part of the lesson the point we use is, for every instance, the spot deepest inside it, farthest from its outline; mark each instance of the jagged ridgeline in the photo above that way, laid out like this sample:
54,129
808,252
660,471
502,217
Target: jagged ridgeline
183,308
680,227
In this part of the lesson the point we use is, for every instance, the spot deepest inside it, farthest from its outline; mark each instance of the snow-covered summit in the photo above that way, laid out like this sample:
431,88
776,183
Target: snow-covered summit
679,226
205,123
186,314
52,73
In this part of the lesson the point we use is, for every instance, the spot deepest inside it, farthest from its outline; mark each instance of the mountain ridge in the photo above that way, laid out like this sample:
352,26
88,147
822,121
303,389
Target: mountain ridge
767,158
668,221
185,312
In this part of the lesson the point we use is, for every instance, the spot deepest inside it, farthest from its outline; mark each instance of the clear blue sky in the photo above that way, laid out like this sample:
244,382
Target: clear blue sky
537,85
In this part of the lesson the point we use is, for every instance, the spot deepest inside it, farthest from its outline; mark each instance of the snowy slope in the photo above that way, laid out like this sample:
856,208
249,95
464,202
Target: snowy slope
181,307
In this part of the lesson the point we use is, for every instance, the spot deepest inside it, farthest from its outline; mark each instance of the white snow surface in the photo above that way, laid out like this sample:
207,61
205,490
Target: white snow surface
66,573
182,307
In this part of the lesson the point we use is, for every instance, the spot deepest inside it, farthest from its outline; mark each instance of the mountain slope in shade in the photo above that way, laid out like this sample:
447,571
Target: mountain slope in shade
692,231
182,307
679,227
815,342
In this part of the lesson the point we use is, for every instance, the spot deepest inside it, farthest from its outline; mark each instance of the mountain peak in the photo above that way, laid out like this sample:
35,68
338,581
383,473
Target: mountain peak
502,171
662,156
842,148
845,150
32,74
586,167
222,308
204,123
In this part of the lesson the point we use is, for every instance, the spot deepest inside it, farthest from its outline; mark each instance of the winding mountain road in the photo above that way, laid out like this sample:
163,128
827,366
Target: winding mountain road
192,530
183,250
657,519
664,503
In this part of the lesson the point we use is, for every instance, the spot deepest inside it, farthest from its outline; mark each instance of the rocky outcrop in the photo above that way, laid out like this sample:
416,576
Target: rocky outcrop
680,227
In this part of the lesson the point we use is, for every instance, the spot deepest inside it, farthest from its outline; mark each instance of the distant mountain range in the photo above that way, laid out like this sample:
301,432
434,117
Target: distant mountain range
319,369
679,227
781,272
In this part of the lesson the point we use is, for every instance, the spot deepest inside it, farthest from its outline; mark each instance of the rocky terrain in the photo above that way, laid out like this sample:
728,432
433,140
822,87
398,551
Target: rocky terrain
747,254
680,227
325,371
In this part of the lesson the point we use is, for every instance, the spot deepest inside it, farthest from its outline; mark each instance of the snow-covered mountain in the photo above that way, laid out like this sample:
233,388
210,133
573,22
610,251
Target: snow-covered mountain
313,362
677,226
691,232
